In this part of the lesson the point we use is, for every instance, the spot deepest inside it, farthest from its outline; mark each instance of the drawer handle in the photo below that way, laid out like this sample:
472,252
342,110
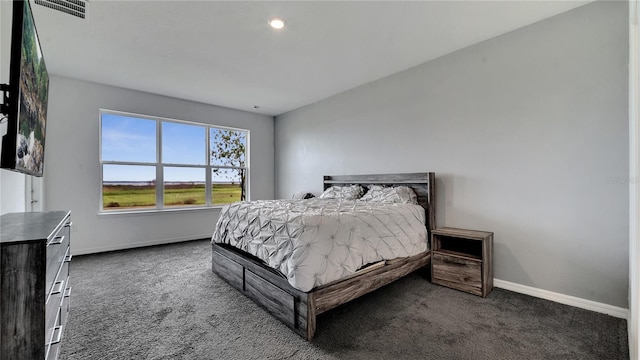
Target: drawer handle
57,240
57,332
68,258
58,290
67,292
69,224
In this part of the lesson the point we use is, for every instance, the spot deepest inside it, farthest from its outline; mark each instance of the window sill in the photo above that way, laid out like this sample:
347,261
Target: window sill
130,212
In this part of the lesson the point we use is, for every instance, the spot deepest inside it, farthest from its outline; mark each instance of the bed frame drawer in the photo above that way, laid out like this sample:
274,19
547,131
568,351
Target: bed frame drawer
276,301
229,270
458,272
267,288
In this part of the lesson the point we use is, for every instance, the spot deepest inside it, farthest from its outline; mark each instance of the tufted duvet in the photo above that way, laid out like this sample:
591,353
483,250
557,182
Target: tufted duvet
316,241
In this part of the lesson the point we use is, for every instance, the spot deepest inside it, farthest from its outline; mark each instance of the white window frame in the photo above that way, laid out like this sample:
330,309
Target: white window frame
159,165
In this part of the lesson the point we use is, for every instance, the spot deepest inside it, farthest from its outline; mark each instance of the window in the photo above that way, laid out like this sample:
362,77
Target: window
153,164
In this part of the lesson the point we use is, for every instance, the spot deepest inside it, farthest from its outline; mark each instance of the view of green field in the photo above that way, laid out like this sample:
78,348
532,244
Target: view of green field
115,197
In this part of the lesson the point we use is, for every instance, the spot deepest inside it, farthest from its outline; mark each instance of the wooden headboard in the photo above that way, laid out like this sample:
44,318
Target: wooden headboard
423,184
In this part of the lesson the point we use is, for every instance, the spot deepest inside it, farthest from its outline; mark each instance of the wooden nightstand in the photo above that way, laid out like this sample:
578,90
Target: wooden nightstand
461,259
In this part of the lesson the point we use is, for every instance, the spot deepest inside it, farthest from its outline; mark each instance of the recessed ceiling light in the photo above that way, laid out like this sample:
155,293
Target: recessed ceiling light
276,23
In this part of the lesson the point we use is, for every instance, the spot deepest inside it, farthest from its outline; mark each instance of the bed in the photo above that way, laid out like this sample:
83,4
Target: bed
266,276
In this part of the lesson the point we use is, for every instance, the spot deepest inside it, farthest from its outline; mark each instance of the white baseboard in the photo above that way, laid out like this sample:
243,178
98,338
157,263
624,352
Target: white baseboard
86,251
563,299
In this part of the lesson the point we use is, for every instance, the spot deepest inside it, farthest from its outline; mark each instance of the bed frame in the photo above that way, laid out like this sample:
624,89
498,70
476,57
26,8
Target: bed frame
298,309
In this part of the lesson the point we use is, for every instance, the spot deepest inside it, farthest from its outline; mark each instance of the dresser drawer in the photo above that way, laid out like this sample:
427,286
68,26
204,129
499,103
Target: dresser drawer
57,331
57,310
52,332
66,305
458,272
56,251
52,306
60,275
53,343
54,351
55,300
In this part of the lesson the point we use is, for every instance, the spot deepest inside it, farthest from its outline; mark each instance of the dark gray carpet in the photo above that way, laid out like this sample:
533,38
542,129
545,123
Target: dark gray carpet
164,302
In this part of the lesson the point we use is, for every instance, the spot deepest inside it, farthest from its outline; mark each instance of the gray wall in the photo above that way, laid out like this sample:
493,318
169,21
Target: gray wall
72,171
527,134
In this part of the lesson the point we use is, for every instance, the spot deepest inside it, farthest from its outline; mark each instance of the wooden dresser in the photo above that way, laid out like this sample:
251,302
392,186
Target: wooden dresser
34,283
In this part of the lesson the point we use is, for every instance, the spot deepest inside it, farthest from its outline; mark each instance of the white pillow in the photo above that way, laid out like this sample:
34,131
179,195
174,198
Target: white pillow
351,192
374,192
396,194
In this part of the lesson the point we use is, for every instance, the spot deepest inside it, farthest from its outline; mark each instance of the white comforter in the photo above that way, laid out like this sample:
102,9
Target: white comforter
317,241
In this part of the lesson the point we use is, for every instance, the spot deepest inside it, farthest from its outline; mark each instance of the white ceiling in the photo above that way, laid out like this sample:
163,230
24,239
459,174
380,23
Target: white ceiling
224,53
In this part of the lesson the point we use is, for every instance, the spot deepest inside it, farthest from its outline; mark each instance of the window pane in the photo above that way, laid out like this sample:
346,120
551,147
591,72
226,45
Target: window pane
227,186
228,147
183,144
184,186
128,187
128,139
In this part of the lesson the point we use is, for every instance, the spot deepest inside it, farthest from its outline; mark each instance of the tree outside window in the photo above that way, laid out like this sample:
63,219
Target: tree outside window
228,152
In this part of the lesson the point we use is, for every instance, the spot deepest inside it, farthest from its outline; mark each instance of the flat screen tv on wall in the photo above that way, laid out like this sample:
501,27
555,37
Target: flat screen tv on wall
25,97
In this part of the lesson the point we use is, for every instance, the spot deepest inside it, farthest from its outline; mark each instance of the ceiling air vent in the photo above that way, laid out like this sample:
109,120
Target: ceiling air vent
72,7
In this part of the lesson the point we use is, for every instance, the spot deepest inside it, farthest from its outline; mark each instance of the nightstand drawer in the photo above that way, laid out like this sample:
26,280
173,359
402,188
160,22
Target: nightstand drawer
452,270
